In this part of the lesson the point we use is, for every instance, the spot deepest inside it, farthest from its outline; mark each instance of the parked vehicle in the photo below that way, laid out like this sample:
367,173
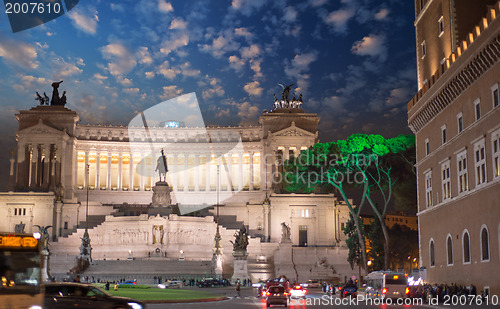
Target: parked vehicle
84,296
208,282
276,295
128,282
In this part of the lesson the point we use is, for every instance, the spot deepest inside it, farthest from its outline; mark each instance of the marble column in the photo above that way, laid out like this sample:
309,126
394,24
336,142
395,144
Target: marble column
207,172
197,173
34,165
86,179
250,184
229,171
98,171
141,173
131,172
108,177
240,172
120,171
186,172
175,177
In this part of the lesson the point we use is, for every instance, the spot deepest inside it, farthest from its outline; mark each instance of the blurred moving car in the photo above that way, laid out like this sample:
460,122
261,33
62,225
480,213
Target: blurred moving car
171,284
128,282
85,296
298,292
276,295
311,284
349,292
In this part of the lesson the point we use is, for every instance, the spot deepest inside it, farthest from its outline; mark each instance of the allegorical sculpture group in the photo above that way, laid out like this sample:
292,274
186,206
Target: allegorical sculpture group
56,100
285,101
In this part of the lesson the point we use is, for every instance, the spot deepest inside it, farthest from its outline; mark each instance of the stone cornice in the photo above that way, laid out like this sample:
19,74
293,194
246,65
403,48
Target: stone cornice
470,72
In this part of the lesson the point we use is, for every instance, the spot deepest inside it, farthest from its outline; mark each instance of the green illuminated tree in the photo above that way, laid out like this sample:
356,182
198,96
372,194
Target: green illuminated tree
360,161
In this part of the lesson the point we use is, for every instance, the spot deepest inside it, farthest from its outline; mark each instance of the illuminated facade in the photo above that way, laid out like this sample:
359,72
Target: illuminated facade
60,161
455,117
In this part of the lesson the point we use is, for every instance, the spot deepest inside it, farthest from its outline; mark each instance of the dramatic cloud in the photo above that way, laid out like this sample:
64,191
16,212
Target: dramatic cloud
175,41
170,92
18,52
236,63
214,89
248,112
251,51
247,7
382,14
221,45
64,68
372,45
290,14
121,59
144,56
167,71
253,88
178,23
339,19
131,90
85,21
298,69
164,6
243,32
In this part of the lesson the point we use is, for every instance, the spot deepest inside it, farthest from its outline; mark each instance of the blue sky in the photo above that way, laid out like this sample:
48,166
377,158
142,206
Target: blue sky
353,61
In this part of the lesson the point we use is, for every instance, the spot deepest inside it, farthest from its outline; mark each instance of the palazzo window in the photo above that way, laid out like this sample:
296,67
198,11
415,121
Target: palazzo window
477,108
480,162
449,250
466,247
432,260
460,123
424,49
443,134
445,180
427,147
428,189
485,245
495,95
441,26
463,184
495,147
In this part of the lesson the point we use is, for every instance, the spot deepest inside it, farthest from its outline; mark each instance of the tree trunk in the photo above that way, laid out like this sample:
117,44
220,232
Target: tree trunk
361,243
386,242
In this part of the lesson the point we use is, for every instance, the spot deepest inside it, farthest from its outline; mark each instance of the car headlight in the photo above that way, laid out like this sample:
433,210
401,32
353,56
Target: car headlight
35,307
135,305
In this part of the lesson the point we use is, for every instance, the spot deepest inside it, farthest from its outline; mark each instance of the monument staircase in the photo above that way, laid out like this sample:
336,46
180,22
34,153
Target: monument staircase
94,220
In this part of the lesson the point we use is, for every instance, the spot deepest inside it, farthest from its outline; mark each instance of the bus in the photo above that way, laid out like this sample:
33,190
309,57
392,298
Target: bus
386,284
20,271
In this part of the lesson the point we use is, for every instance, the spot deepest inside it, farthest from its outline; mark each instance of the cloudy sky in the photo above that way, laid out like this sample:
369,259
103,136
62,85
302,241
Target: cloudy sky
353,61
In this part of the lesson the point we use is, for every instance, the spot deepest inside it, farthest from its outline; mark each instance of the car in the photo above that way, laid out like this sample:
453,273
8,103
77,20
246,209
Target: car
313,284
84,296
208,282
298,292
276,295
128,282
173,284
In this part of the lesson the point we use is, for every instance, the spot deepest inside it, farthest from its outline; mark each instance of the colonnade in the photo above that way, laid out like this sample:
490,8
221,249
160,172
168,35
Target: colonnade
126,171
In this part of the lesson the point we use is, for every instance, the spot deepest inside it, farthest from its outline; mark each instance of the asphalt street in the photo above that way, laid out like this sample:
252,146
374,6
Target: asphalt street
315,299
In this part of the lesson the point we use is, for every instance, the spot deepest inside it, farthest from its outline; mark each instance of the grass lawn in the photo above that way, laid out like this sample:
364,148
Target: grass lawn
161,294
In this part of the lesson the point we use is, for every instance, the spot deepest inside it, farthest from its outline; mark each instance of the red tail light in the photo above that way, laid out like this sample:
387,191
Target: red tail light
407,291
384,290
267,293
285,293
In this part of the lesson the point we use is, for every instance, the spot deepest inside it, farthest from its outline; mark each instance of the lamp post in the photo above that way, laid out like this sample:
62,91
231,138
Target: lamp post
85,248
217,256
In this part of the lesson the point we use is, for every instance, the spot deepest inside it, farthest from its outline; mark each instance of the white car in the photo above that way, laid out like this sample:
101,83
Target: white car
298,292
171,284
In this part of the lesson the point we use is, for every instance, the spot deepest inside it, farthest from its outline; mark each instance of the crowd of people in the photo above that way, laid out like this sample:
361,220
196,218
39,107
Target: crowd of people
426,291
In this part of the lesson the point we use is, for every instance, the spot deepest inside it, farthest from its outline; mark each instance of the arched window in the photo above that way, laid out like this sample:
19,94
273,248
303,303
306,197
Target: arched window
432,253
485,244
449,250
466,246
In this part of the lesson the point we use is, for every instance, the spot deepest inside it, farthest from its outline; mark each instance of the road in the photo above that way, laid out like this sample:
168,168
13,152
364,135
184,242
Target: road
315,299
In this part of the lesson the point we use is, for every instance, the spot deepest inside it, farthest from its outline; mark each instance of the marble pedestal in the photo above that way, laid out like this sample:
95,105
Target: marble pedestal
240,266
44,272
161,195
